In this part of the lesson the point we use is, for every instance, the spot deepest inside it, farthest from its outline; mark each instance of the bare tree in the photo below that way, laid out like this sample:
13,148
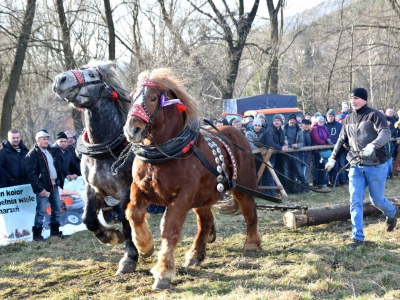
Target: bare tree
111,30
9,97
271,85
68,57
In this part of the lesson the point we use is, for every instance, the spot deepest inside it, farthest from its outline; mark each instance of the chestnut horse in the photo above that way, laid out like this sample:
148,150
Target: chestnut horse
163,127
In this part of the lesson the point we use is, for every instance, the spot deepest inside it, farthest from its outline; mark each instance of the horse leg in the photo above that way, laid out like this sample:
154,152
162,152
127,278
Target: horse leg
211,237
205,223
164,271
105,235
136,215
128,262
249,210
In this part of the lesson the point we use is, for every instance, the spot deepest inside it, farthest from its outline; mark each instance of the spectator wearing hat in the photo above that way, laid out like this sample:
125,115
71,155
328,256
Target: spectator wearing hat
390,115
314,118
291,164
254,137
264,124
222,122
320,136
274,137
68,160
12,159
345,108
46,173
366,132
305,156
334,128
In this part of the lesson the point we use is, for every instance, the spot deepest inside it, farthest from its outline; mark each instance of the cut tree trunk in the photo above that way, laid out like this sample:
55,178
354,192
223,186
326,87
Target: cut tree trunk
327,214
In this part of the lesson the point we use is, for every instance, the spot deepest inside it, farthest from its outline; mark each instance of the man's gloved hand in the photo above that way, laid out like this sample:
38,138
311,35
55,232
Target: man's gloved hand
330,164
367,151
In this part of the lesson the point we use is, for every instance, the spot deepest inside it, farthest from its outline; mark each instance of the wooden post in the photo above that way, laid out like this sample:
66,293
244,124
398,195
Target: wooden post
271,170
327,214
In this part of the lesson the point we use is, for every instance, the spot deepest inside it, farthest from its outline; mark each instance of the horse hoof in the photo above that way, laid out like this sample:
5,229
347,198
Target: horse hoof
249,252
148,254
126,265
193,262
161,284
212,237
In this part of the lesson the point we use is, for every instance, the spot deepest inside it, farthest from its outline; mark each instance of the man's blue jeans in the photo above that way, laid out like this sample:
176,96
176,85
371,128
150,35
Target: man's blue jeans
375,178
41,203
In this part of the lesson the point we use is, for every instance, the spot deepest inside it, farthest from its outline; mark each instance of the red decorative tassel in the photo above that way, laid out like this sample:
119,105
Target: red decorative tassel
114,95
181,108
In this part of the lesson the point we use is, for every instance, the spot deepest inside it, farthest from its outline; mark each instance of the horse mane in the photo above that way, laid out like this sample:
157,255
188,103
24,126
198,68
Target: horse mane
165,78
108,71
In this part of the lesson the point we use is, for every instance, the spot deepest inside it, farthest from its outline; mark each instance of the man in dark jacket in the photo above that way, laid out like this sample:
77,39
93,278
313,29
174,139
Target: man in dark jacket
274,137
46,173
69,161
366,132
3,182
12,159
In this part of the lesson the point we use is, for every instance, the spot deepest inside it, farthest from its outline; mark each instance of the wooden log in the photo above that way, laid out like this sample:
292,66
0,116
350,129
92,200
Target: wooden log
327,214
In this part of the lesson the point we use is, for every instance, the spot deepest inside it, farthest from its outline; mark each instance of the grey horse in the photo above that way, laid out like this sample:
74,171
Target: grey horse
99,92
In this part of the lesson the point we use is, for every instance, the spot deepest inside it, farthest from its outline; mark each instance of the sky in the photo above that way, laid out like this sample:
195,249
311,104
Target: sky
296,6
292,6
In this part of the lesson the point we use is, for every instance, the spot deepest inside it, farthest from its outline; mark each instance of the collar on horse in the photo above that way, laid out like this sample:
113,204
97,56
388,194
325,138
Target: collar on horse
171,149
107,149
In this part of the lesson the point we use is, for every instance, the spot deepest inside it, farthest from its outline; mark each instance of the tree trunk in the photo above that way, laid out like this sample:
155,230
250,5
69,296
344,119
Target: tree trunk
111,30
70,63
9,97
271,82
327,214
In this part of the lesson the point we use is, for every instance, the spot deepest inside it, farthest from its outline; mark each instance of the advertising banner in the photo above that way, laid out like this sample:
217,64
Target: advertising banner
18,206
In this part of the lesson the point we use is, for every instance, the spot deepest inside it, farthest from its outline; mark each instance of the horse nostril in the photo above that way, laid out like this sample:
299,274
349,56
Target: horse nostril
137,130
63,79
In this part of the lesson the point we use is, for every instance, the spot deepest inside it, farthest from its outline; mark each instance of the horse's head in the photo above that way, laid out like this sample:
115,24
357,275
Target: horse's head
160,108
84,87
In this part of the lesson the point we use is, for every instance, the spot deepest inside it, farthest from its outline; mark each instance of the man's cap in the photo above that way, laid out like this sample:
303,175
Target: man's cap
61,135
360,93
223,121
320,119
261,115
257,121
277,117
331,112
306,121
41,133
248,119
292,116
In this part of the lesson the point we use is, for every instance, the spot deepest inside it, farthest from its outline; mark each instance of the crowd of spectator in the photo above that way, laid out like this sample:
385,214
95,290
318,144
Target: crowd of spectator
298,170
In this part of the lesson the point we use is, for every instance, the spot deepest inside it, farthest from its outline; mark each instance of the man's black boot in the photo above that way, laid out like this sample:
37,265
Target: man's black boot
55,230
37,234
391,222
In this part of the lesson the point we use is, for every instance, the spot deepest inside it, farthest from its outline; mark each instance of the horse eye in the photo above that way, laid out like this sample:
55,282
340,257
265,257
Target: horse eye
91,75
154,99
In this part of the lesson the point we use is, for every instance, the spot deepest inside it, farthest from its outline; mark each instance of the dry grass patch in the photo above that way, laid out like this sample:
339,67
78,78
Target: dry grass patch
307,263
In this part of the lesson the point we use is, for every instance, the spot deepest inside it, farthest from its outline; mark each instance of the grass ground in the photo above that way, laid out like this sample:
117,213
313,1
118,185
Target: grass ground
307,263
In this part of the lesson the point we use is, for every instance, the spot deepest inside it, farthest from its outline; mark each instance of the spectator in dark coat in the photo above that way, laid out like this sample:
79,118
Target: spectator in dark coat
12,159
68,160
76,156
274,137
